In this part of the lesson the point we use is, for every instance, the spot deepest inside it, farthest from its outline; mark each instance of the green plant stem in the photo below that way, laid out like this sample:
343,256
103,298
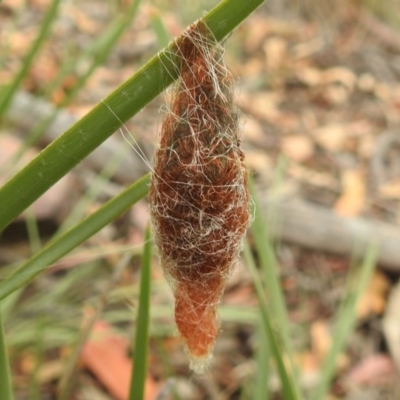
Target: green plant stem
33,231
139,370
289,385
94,189
98,52
67,378
27,62
261,382
5,376
346,318
159,29
89,132
75,236
272,282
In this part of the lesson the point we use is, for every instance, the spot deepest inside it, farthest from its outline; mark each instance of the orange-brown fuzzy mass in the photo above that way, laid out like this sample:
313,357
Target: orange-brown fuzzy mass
199,200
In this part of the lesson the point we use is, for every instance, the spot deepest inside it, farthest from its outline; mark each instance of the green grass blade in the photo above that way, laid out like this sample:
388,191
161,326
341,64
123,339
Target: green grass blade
261,389
89,132
75,236
97,53
103,47
67,379
159,29
94,189
8,304
270,271
5,376
139,370
33,231
38,348
345,320
27,62
288,382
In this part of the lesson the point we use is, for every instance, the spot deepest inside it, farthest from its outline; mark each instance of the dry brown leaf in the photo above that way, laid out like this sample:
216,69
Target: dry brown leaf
382,91
43,4
42,71
306,49
21,42
373,370
287,121
255,36
243,295
321,344
373,301
366,147
50,371
315,178
352,200
390,190
254,67
105,355
308,362
299,148
86,24
253,132
331,137
366,82
334,94
320,339
262,105
275,50
309,76
258,160
13,4
260,26
341,75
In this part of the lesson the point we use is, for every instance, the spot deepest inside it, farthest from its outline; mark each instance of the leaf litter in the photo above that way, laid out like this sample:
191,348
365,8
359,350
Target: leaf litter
327,97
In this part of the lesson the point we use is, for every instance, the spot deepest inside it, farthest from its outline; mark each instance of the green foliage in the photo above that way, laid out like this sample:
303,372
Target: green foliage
141,340
5,377
49,19
74,237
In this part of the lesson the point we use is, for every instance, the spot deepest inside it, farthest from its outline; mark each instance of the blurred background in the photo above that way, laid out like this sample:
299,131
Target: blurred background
318,90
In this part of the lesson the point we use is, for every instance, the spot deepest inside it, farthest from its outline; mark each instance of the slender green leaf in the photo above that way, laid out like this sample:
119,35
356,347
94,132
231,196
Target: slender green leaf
8,304
103,47
262,373
66,381
346,319
89,132
94,189
97,53
270,271
5,377
160,30
288,383
140,349
75,236
33,50
38,340
33,231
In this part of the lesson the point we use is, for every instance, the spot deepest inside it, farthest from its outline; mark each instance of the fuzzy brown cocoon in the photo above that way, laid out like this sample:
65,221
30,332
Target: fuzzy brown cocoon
199,200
